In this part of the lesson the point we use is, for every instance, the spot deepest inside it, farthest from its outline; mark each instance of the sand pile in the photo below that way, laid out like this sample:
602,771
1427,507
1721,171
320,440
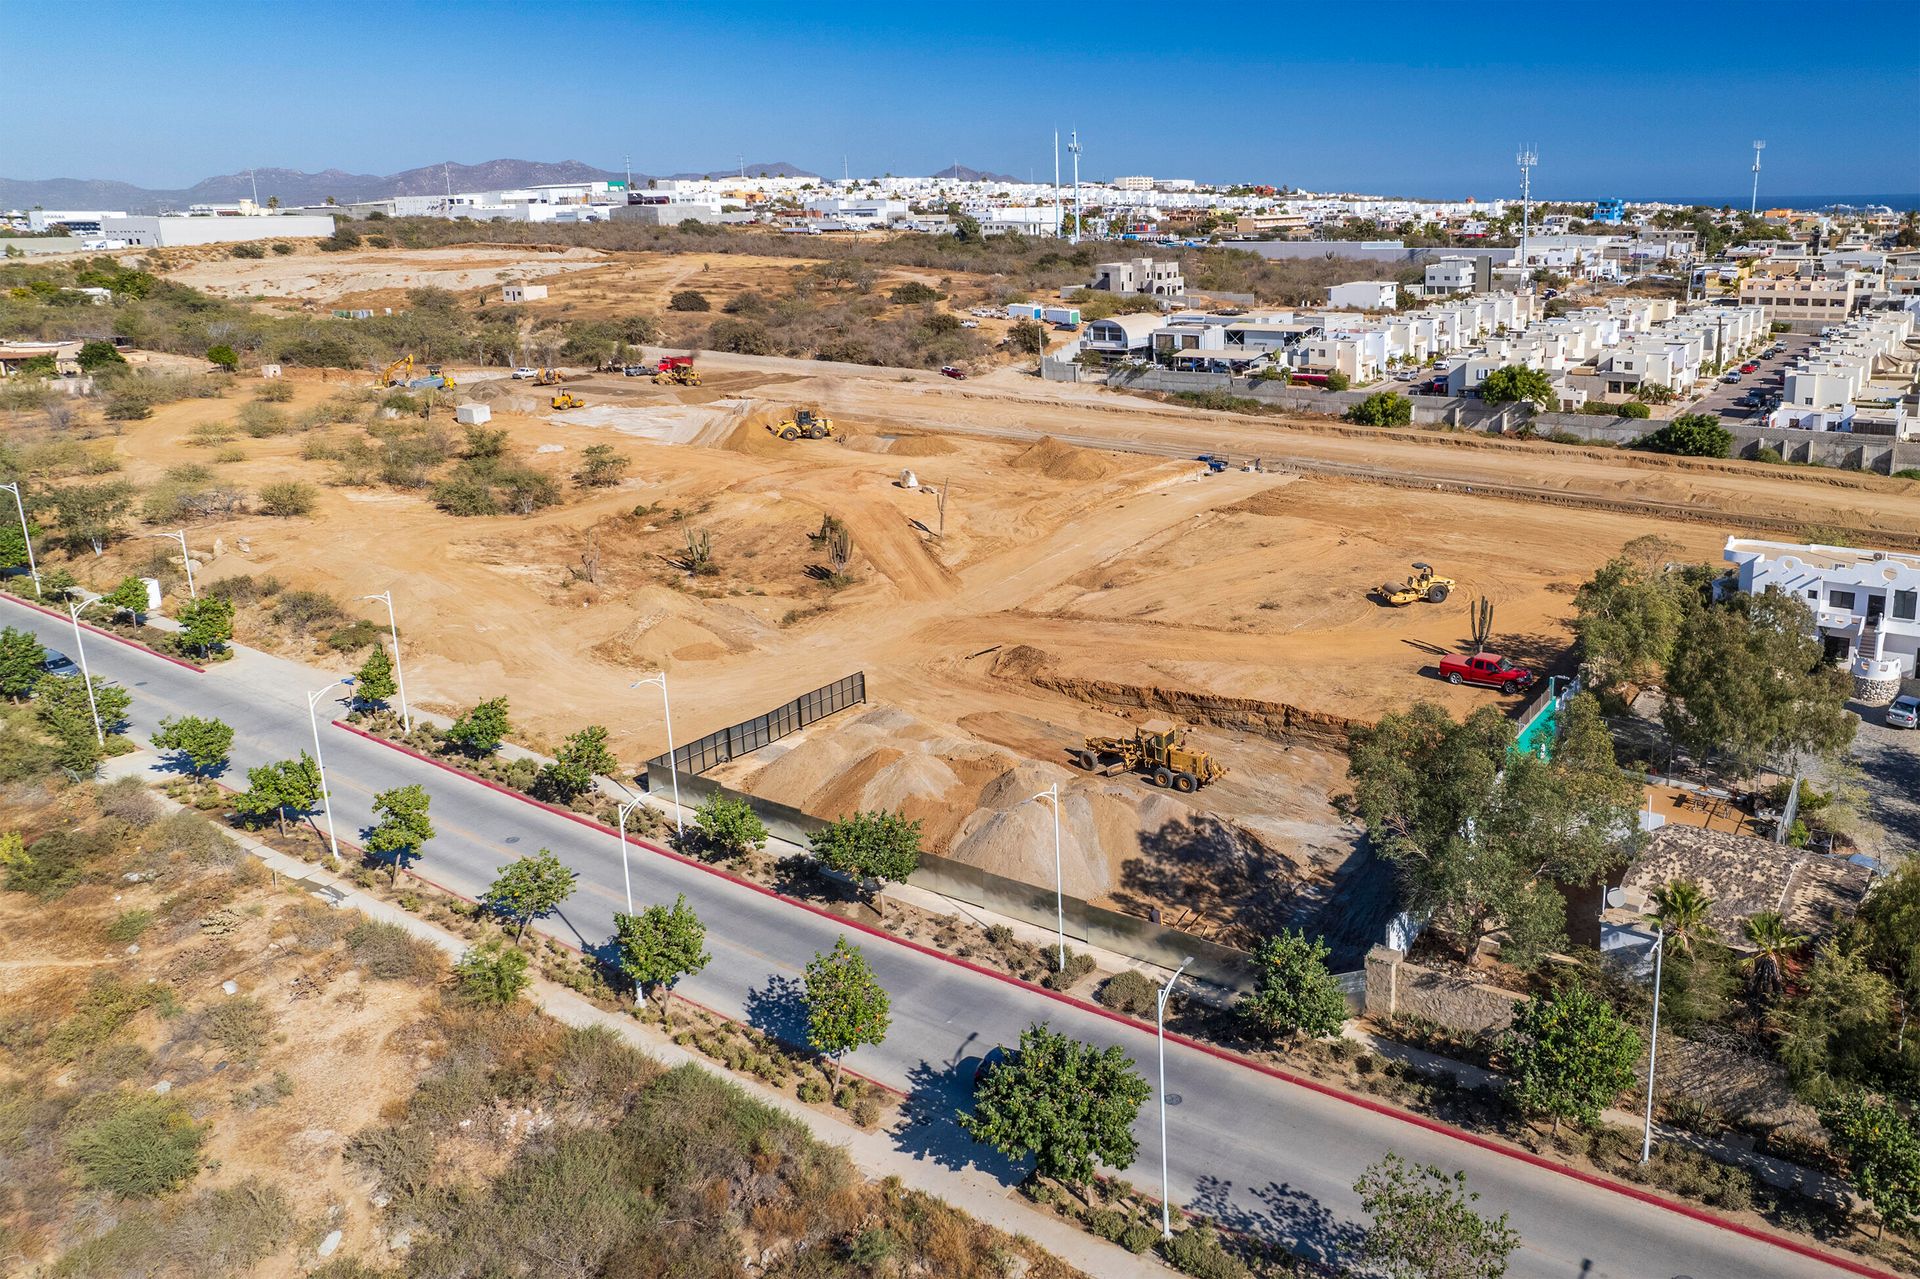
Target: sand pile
1059,461
921,446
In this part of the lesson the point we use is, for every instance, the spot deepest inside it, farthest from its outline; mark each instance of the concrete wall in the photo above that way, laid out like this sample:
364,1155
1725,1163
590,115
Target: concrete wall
1881,454
1428,410
1396,988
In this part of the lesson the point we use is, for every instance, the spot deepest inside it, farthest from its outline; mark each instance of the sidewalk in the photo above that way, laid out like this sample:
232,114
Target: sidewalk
874,1154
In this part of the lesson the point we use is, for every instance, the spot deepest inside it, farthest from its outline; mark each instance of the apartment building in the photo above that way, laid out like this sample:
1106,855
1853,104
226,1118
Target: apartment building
1365,295
1804,298
1140,275
1865,604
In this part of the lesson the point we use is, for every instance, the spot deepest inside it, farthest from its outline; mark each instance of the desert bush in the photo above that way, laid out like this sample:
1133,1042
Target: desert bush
287,498
356,635
194,838
1130,992
237,1025
213,1232
98,1015
128,799
492,973
244,588
1199,1252
263,421
689,300
133,1144
304,611
129,926
56,862
1079,964
274,391
391,953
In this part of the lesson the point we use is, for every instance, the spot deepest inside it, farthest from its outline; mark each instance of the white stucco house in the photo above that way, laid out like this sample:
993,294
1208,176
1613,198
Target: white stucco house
1865,604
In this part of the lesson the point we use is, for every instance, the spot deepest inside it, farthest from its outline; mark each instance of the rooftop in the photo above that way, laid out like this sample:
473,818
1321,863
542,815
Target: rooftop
1744,876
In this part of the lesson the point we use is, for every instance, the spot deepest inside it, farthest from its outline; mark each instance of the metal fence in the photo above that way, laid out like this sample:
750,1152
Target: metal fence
750,735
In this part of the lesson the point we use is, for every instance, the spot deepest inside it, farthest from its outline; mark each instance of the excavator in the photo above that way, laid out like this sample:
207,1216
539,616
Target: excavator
398,372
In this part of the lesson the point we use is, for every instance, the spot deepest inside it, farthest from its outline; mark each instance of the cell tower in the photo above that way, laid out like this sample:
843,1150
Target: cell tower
1526,159
256,185
1073,148
1753,206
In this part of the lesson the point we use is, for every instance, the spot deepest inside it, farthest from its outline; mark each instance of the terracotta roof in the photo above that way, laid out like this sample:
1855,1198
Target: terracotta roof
1745,876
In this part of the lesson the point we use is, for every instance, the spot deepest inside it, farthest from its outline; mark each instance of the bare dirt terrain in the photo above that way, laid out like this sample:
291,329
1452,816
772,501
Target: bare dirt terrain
1062,589
377,277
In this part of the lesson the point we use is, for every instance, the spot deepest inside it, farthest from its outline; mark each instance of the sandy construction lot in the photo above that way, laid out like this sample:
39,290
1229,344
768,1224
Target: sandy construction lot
380,277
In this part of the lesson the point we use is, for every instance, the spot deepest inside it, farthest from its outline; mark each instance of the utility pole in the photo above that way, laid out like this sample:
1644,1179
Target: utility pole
1056,184
629,164
1073,146
1526,159
256,185
1753,205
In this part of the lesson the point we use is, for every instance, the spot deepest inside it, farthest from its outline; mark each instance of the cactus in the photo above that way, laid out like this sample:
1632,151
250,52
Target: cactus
839,548
700,554
1482,614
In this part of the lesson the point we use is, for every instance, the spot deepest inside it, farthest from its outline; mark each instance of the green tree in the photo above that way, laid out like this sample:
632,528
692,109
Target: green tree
203,743
481,730
401,825
129,597
689,300
1836,1026
1064,1102
1770,945
1627,618
876,846
90,515
528,889
206,623
1883,1155
1749,682
1382,408
729,826
659,946
1569,1055
1682,911
100,357
61,705
1890,923
1689,435
21,660
1027,338
13,543
1517,382
1294,993
846,1005
1425,1226
224,356
1338,381
277,789
584,756
373,683
601,466
491,974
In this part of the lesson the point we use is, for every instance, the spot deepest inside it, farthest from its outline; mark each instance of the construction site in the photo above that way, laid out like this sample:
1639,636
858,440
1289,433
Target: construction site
1017,567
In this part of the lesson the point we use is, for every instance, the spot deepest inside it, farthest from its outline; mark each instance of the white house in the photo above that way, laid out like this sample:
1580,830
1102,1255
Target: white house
1139,275
1365,295
1865,604
516,293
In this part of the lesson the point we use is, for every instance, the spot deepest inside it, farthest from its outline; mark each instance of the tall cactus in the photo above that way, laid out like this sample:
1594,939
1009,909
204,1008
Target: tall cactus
1482,614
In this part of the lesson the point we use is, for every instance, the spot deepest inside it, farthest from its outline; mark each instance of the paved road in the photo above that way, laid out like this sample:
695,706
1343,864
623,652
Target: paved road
1259,1154
1724,398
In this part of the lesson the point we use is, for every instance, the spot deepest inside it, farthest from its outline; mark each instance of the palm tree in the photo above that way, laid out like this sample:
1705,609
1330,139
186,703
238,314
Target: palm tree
1772,943
1680,908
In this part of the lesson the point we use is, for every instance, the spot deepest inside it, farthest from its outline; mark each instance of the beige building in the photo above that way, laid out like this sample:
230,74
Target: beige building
1791,298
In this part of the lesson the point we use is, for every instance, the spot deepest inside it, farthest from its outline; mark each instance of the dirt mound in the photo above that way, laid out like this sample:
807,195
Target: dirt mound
1059,461
921,446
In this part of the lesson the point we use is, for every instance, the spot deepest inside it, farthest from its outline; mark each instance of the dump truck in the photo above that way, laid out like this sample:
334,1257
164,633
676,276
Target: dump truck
676,370
1422,584
803,422
568,400
1157,750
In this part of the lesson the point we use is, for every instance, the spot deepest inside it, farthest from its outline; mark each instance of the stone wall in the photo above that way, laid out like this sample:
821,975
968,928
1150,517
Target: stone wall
1396,988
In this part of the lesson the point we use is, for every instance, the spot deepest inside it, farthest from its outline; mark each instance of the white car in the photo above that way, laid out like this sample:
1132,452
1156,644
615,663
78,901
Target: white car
1904,712
525,374
969,324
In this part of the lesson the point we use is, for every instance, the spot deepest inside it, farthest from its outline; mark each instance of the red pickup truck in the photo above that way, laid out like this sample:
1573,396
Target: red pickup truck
1490,669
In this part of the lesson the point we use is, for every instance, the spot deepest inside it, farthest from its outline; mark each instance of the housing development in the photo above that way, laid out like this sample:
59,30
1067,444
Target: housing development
594,720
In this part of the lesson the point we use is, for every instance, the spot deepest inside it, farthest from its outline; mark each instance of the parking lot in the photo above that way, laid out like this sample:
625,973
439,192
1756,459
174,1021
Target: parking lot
1725,397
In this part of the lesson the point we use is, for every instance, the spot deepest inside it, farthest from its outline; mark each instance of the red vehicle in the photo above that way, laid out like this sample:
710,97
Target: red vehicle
1489,669
952,371
1749,367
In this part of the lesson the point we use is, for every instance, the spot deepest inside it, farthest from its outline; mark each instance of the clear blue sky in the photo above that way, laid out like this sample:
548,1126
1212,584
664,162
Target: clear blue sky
1426,98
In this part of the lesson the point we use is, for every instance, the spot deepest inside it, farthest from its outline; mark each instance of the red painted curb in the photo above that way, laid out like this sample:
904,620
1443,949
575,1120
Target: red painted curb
1312,1085
118,639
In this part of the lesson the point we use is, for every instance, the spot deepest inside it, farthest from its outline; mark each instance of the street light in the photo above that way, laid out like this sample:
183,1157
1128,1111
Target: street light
673,766
626,876
1052,795
25,536
400,675
74,609
1653,1046
186,559
1160,1029
320,762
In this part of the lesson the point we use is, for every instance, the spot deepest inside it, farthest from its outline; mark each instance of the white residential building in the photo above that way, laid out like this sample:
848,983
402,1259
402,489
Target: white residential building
514,294
163,232
1865,604
1365,295
1139,275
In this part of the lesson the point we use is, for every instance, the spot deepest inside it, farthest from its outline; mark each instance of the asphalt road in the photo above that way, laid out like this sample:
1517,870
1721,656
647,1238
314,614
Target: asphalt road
1724,398
1257,1153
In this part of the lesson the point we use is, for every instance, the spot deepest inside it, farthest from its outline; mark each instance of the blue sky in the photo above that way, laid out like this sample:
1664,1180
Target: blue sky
1423,98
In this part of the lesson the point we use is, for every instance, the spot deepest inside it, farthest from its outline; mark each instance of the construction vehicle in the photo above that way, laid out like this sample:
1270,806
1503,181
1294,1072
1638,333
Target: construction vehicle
397,372
803,422
568,400
548,377
676,370
1420,585
1157,750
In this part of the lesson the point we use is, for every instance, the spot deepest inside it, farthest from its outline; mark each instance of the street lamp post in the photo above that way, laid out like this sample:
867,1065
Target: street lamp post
673,765
74,609
1653,1046
33,570
186,559
320,762
1160,1030
626,876
1052,795
399,673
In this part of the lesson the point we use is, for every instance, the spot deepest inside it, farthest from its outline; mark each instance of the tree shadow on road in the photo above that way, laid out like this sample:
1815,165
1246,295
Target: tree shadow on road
779,1009
1291,1218
936,1094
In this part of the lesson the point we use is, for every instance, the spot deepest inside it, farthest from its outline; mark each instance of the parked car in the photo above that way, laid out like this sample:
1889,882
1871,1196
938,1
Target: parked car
524,374
1749,367
1489,669
58,663
1904,712
1406,375
969,324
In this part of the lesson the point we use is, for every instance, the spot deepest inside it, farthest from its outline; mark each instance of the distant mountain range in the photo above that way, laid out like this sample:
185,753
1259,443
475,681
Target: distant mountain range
961,173
295,187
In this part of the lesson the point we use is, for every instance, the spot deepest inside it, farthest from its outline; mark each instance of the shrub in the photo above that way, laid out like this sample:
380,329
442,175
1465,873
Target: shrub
128,799
303,611
1382,408
237,1024
274,391
812,1091
129,925
1768,454
287,498
492,974
1139,1237
282,247
1199,1252
1689,435
263,421
1338,381
391,953
133,1144
912,293
224,356
1078,965
356,635
1130,992
741,337
248,251
1633,409
689,300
